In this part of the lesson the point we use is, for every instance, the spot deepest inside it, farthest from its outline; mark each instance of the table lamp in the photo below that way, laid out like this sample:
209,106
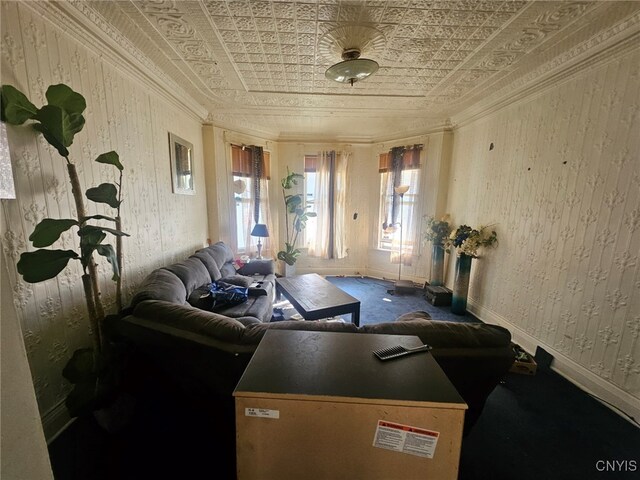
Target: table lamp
260,231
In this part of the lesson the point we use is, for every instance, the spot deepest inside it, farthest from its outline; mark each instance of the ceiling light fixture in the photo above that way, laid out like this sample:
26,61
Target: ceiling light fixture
352,68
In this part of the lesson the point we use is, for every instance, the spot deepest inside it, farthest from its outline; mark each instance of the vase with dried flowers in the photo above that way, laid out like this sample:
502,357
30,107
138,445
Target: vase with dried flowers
466,241
436,232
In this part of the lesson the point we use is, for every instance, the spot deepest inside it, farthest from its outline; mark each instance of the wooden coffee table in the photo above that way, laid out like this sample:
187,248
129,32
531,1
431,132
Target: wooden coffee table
315,298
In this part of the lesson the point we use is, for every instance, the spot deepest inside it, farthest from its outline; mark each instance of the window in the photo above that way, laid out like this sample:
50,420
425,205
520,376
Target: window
250,170
242,195
401,166
325,195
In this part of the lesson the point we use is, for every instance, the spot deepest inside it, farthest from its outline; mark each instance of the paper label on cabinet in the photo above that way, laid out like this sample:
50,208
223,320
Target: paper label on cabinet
261,413
405,439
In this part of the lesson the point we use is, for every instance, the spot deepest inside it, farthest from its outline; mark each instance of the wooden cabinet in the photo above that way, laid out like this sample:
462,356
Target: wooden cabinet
320,405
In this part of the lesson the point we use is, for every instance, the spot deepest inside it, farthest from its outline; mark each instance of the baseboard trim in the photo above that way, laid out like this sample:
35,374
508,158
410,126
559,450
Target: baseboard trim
55,421
386,275
568,368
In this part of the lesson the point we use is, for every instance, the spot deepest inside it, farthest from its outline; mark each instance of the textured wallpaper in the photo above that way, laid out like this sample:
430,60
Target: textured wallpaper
562,185
122,115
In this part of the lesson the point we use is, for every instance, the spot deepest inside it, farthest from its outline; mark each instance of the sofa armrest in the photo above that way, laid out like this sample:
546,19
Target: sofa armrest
197,362
191,319
260,267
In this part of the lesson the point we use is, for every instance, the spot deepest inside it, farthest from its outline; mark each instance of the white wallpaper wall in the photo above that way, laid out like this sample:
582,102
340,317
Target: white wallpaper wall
122,115
563,186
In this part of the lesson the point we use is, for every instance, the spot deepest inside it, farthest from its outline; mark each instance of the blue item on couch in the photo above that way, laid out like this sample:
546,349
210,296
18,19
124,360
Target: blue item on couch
227,295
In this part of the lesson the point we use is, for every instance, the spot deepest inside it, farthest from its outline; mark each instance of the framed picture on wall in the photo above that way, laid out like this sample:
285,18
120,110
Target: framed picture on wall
181,155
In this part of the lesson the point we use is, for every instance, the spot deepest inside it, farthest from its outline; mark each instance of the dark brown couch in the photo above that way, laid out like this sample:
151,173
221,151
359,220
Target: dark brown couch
211,350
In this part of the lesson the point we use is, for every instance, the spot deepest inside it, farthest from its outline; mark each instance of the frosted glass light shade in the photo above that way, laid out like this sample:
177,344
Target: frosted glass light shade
351,71
402,189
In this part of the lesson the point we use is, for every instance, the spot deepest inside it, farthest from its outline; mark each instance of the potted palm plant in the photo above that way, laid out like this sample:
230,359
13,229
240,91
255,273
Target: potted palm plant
297,215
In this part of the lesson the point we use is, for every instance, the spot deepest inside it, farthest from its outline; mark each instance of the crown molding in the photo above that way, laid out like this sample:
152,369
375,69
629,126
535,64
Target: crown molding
326,139
78,20
608,46
431,129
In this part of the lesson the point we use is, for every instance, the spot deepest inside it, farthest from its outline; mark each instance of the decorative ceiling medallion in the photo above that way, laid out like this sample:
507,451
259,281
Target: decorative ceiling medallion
368,40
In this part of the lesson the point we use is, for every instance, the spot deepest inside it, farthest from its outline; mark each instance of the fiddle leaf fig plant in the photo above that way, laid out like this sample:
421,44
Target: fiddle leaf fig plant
297,217
59,121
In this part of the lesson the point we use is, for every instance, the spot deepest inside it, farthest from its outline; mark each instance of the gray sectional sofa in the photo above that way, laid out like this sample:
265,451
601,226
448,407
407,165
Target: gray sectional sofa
210,350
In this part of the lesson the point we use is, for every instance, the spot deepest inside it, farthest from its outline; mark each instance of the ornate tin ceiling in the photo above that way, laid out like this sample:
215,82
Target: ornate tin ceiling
258,66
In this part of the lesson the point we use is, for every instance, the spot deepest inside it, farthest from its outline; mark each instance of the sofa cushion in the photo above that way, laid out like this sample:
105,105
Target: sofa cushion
221,253
191,319
258,267
441,334
254,333
209,262
201,298
192,272
161,284
240,280
257,307
227,270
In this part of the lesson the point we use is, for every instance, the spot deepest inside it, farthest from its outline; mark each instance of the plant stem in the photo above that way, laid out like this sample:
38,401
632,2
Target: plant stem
119,249
91,288
119,260
93,317
286,222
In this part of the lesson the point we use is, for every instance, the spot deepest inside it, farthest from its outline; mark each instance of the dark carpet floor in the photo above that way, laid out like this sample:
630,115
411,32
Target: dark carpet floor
532,427
377,305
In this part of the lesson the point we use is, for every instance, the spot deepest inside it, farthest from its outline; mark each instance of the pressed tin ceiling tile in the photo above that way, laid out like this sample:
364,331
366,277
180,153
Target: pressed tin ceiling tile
436,57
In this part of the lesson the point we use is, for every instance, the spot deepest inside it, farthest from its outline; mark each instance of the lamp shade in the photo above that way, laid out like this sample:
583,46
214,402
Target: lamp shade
260,230
402,189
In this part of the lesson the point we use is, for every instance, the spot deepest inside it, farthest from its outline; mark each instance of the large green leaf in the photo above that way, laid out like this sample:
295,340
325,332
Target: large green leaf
16,107
109,253
113,231
289,255
58,127
110,158
100,217
90,238
293,202
104,193
291,179
64,97
94,234
91,235
43,264
49,230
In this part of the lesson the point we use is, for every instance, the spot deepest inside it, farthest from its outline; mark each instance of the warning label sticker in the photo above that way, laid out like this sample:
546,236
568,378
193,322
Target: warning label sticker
261,412
405,439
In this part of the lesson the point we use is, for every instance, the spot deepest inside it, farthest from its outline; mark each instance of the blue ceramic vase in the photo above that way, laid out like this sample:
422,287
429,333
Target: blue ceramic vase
461,284
437,265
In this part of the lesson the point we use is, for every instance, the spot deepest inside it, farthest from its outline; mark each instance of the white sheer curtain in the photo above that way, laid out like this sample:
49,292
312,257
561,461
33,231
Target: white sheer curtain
340,205
330,204
407,222
400,166
251,166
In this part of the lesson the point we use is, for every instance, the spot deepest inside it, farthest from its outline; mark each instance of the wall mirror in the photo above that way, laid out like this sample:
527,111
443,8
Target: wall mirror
181,154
